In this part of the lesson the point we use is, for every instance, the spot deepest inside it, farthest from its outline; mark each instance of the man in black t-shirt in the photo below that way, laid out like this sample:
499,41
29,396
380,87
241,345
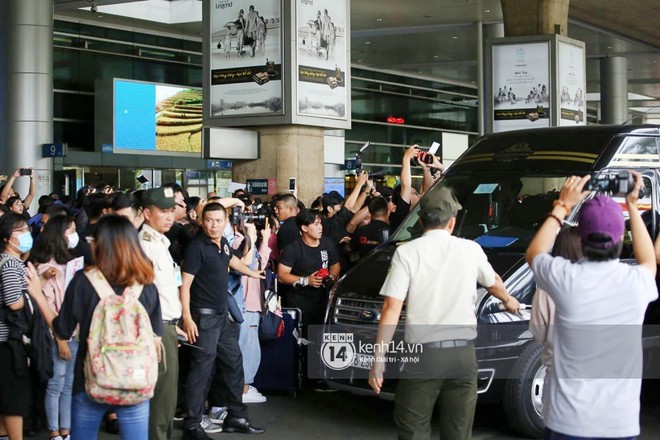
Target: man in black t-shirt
286,209
305,265
367,237
206,322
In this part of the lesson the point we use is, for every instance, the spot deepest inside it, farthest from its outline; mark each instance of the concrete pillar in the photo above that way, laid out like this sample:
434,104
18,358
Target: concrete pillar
485,32
534,17
288,151
614,90
26,89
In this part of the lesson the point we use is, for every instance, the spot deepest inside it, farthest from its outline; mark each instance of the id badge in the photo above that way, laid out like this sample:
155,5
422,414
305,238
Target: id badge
177,275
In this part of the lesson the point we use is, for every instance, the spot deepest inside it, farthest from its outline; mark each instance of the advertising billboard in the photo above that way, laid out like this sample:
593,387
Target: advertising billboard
245,58
571,84
156,118
521,86
322,61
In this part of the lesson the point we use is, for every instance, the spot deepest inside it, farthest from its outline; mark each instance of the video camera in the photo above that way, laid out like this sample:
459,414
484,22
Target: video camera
616,185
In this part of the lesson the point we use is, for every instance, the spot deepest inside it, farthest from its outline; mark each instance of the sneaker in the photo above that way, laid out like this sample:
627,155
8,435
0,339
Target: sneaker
217,414
209,427
179,415
196,433
254,390
253,396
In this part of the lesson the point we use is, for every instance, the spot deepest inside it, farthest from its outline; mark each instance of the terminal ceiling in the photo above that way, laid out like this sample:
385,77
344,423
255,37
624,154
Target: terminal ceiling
438,38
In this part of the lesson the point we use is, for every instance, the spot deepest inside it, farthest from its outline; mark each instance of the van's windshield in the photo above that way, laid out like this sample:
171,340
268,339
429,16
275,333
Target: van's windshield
498,211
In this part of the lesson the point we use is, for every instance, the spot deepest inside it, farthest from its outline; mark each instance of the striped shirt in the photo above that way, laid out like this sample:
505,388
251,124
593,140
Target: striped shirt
12,286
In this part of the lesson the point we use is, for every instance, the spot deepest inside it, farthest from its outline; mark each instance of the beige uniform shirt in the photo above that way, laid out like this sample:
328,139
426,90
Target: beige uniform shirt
436,275
156,246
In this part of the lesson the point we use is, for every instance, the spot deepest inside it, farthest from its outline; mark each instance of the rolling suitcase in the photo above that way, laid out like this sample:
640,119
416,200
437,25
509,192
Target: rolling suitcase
281,360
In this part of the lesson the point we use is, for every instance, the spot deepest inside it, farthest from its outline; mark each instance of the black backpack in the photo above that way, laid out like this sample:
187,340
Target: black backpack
29,338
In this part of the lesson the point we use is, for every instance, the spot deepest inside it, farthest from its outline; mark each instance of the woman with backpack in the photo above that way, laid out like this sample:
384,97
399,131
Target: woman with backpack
50,254
15,384
121,369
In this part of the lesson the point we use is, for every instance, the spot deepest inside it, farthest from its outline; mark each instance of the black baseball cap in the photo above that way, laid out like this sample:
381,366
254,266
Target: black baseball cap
162,198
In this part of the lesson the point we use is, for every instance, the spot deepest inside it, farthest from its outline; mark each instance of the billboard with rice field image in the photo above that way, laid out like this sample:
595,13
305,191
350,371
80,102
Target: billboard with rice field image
157,118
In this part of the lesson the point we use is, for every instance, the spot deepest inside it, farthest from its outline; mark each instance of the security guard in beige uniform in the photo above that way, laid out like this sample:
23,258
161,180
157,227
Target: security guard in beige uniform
436,275
158,207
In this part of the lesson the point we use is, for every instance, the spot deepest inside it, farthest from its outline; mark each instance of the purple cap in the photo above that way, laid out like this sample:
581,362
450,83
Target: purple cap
601,215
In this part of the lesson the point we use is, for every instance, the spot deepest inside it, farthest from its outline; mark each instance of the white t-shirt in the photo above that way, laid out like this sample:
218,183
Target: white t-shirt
436,274
595,380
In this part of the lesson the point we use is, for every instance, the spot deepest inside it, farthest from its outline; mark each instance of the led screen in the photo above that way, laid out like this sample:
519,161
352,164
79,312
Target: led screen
157,118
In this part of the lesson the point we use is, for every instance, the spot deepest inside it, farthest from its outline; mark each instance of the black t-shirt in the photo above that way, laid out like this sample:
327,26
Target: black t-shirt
287,234
367,237
78,306
83,249
335,227
175,249
209,264
398,216
304,261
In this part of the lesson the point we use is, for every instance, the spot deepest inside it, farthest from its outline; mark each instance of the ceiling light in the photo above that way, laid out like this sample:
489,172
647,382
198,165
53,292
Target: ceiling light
454,37
609,47
379,19
486,10
436,56
428,16
367,42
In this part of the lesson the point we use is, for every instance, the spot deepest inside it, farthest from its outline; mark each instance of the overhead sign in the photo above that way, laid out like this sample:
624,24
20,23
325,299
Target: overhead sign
258,187
350,164
219,164
53,150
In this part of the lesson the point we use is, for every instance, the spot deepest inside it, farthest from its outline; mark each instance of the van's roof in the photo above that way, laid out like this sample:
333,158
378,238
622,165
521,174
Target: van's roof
578,150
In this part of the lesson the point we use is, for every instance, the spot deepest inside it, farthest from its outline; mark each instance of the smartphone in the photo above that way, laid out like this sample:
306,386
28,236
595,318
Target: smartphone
434,148
292,184
25,171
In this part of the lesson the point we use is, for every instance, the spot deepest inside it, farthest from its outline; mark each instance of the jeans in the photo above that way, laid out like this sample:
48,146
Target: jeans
248,340
58,390
87,417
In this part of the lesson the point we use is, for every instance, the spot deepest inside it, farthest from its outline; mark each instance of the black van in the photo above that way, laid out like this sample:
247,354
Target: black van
506,183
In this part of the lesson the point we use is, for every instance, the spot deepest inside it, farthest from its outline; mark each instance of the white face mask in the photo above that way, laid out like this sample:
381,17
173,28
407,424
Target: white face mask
73,240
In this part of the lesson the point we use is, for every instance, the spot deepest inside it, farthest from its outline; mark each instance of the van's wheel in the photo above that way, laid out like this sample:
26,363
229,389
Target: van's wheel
523,393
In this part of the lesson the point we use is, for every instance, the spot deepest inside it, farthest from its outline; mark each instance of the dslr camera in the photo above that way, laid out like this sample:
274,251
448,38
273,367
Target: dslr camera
238,217
616,185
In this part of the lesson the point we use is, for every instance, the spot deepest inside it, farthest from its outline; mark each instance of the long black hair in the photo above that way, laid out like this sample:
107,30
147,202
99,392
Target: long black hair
52,243
8,223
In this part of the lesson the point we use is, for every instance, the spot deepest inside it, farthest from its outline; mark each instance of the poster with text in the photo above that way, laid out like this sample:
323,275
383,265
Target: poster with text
246,57
571,83
322,62
521,86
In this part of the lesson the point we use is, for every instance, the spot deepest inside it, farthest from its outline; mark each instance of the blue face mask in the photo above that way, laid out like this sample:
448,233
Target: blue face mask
24,242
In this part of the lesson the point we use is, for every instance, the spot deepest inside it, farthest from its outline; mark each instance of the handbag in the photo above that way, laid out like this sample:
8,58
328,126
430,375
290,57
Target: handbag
271,325
235,314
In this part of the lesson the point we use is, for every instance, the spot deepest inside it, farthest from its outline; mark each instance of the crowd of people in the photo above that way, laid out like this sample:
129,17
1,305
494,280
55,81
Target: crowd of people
198,267
194,271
